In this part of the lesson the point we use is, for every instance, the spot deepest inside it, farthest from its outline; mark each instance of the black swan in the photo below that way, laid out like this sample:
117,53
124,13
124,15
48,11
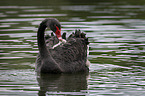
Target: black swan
69,56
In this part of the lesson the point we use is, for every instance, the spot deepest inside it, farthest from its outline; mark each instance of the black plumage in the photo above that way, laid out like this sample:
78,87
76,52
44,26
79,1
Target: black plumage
70,57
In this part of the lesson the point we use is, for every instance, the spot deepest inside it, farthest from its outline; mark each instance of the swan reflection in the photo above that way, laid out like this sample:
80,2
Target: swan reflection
53,84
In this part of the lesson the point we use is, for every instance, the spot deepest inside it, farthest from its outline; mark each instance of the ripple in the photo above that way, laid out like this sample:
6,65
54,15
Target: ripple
11,82
38,10
10,57
39,15
4,25
78,8
2,15
66,93
25,51
11,12
15,7
20,20
108,17
129,6
10,41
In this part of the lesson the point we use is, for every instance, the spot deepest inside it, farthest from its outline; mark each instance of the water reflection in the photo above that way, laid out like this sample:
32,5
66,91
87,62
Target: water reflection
64,84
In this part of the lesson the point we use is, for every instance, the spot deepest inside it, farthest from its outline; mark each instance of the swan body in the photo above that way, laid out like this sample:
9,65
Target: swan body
57,55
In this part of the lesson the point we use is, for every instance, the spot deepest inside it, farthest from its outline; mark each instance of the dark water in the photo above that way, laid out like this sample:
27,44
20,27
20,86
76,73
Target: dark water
116,30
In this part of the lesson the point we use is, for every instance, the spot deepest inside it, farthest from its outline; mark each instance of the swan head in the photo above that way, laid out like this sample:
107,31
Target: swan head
55,26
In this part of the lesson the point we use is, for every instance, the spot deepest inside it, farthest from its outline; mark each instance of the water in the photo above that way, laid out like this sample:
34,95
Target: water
116,30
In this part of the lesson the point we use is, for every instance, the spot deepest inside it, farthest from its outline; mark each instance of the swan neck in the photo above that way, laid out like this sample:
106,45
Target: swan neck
48,63
41,41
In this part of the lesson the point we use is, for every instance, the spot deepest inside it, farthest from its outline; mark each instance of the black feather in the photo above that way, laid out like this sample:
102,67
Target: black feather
69,57
64,36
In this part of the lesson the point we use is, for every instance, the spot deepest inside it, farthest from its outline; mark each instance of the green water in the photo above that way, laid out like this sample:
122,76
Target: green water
116,31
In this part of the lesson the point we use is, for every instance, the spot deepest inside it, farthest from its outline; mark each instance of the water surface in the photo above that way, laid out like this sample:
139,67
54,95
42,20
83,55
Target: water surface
116,31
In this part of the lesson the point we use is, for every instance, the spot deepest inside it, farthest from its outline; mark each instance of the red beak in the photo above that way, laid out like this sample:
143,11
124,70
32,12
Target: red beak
58,33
